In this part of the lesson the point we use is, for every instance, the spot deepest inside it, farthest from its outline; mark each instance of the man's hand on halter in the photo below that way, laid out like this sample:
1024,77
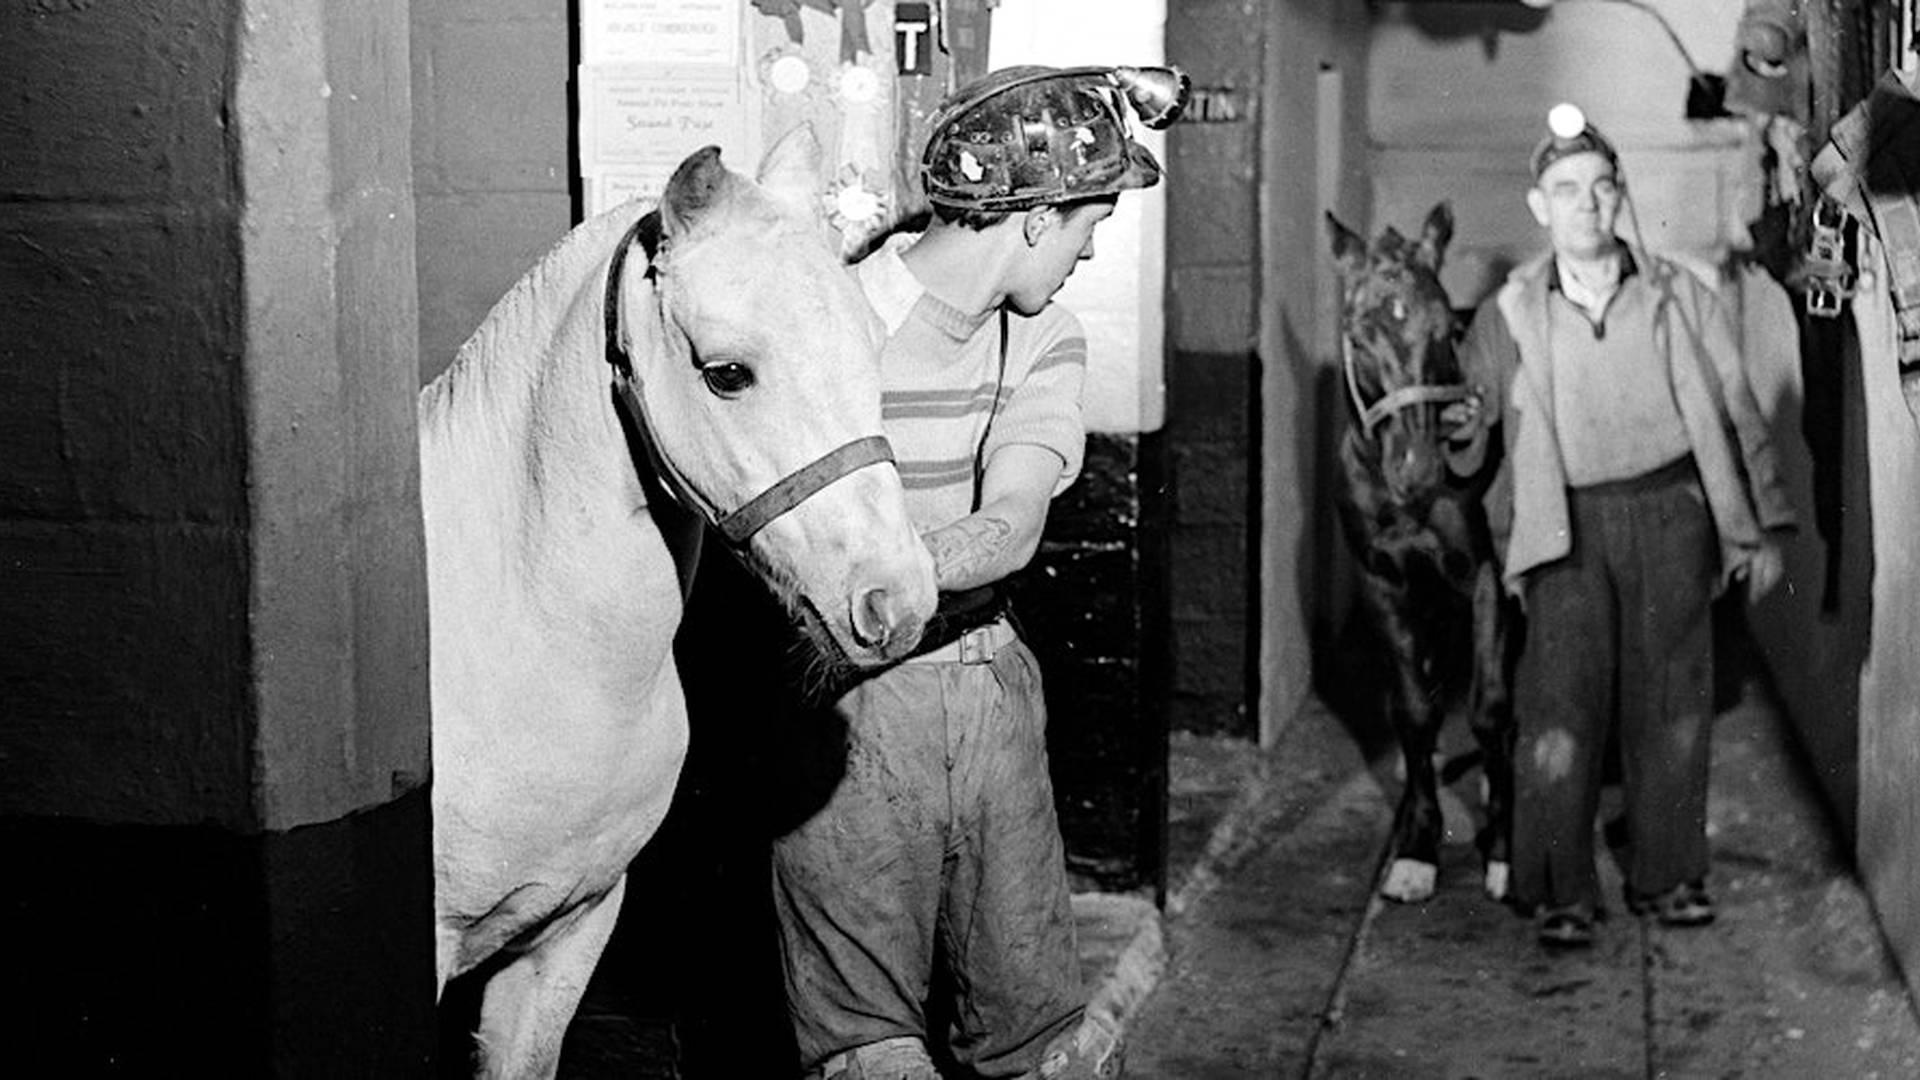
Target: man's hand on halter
1762,570
1462,419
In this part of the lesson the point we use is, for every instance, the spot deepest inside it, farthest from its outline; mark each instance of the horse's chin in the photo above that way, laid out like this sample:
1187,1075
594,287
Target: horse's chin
827,655
837,647
821,666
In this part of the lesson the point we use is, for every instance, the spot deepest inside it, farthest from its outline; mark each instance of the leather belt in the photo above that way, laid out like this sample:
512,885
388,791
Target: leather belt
976,646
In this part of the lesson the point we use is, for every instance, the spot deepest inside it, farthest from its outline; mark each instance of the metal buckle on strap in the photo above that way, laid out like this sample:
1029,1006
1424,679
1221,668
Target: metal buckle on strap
1823,299
1828,275
977,646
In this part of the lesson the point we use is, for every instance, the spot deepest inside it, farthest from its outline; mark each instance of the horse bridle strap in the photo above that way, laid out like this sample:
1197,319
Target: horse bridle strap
739,525
799,486
1393,401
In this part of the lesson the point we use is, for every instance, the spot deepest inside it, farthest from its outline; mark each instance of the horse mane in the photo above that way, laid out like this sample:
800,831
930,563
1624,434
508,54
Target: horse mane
487,363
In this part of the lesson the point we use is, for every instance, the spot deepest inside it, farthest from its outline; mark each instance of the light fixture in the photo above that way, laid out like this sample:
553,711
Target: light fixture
1159,94
1566,120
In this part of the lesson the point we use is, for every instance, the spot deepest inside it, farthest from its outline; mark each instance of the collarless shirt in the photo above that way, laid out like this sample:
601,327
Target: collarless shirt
945,401
1613,407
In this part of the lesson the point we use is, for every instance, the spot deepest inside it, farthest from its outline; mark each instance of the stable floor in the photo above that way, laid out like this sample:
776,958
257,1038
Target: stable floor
1283,963
1274,958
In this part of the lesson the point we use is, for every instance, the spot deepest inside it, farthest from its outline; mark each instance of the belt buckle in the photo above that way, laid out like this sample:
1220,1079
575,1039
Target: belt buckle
1823,299
976,645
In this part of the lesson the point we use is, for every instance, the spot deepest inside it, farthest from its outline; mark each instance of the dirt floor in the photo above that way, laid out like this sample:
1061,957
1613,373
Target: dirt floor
1282,962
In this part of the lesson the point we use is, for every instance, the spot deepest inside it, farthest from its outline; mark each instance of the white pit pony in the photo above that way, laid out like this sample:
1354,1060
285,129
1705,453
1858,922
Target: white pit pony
720,342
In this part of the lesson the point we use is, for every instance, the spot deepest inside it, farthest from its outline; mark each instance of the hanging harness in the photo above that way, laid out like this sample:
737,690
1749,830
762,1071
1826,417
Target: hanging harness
1870,167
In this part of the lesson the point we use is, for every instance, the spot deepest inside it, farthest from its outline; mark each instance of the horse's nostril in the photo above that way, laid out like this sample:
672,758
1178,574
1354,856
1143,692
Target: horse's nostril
874,618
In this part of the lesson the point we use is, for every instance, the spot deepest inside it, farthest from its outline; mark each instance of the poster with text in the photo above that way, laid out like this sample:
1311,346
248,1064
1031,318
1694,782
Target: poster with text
640,121
660,32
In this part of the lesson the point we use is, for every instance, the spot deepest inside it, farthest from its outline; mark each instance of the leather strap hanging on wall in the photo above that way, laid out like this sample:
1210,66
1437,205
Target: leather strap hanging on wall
1870,167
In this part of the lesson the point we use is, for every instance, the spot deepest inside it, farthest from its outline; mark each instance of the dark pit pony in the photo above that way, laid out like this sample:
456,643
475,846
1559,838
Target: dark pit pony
1428,579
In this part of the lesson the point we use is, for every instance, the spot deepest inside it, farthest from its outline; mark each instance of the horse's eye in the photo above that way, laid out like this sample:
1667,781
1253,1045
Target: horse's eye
728,379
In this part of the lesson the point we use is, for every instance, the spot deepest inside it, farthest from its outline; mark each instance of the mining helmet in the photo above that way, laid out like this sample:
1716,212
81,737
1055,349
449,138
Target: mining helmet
1030,136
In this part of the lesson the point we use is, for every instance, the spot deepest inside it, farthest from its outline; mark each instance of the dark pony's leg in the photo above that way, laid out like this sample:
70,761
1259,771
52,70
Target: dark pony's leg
1388,543
1417,824
1491,716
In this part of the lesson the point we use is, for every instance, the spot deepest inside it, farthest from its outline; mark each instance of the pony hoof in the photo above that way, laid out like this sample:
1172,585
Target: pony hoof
1497,880
1409,881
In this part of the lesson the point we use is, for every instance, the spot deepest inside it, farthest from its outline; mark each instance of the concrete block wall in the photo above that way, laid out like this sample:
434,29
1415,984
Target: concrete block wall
1212,377
215,752
1093,606
1249,322
493,168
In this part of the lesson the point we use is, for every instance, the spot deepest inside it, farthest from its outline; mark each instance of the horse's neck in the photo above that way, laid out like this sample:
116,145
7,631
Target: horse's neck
522,429
536,413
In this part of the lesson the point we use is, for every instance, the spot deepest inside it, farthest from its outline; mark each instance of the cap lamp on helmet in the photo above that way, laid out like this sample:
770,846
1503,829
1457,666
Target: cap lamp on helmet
1569,133
1031,136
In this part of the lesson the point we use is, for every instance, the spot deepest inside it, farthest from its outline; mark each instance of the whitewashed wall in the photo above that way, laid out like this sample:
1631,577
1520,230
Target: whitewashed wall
1119,294
1459,93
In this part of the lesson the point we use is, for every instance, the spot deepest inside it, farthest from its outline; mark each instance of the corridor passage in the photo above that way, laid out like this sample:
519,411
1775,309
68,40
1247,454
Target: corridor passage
1283,964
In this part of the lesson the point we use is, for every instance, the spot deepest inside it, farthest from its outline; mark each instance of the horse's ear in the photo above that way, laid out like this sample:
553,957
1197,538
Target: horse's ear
790,171
1349,250
698,185
1436,234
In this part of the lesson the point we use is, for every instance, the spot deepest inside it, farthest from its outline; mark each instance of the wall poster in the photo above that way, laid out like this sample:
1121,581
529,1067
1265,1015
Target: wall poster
658,80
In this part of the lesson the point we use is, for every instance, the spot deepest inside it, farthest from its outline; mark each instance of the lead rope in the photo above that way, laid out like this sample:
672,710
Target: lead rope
961,611
993,410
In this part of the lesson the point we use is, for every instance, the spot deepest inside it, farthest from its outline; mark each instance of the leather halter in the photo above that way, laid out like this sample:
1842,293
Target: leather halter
738,525
1393,401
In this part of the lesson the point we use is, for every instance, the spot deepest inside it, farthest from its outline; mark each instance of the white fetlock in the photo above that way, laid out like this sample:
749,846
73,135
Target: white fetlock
1409,881
1498,880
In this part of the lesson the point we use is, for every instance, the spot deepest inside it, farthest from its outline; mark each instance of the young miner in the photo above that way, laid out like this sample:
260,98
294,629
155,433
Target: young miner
940,847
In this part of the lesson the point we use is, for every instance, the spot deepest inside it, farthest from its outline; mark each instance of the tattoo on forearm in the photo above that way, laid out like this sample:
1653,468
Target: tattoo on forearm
968,547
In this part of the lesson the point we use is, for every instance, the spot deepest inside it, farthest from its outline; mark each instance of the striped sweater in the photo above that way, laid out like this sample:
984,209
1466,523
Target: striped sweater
938,374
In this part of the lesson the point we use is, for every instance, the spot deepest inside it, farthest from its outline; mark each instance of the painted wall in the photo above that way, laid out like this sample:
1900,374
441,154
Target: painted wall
1120,295
491,157
1312,158
1845,660
1888,843
1458,94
